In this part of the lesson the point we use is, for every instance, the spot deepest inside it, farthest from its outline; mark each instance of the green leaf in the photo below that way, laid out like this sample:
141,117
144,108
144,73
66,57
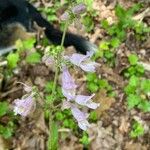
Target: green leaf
140,69
69,123
49,98
133,59
115,42
88,22
59,116
102,83
105,24
137,130
93,116
33,58
97,55
144,106
49,86
108,54
130,89
145,86
7,131
85,139
134,81
104,45
3,108
92,87
91,76
133,100
120,12
13,59
133,9
28,44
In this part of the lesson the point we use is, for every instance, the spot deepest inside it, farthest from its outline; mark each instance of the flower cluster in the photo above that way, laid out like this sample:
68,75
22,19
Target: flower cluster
26,104
69,87
73,100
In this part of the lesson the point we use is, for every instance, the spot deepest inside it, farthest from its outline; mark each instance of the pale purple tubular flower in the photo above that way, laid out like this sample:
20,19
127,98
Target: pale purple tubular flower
68,85
79,9
64,16
81,118
48,60
76,10
86,101
24,106
83,61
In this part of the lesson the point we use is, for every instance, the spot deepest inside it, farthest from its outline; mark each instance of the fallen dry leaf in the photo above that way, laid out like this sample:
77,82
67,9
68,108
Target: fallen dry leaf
124,126
105,102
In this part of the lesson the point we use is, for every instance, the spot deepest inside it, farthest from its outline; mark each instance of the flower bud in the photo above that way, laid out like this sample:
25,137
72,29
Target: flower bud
64,16
79,9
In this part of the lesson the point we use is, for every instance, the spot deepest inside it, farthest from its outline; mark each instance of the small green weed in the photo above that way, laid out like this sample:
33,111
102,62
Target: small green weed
137,130
94,83
134,68
6,129
137,91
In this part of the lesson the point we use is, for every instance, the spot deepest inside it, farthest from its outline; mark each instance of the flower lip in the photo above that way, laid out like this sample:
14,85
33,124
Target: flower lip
67,80
83,61
24,106
86,101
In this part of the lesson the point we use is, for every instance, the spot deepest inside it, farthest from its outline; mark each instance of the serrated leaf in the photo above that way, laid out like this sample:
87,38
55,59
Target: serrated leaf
144,106
133,100
145,86
137,130
133,59
134,81
33,58
13,59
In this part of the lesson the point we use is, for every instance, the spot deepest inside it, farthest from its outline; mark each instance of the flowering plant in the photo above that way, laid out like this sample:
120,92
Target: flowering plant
73,101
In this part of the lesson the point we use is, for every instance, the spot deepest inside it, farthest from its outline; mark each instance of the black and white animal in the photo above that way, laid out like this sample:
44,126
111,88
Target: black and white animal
16,22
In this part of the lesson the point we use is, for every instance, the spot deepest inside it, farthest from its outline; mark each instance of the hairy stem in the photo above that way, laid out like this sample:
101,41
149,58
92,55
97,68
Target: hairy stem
58,61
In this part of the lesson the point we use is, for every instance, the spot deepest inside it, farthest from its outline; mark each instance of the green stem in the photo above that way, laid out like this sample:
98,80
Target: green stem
58,61
64,33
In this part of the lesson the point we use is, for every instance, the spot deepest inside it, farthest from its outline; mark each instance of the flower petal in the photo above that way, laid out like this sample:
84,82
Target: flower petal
84,125
92,105
67,80
81,118
83,61
89,66
24,106
65,16
69,93
82,99
86,101
78,115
